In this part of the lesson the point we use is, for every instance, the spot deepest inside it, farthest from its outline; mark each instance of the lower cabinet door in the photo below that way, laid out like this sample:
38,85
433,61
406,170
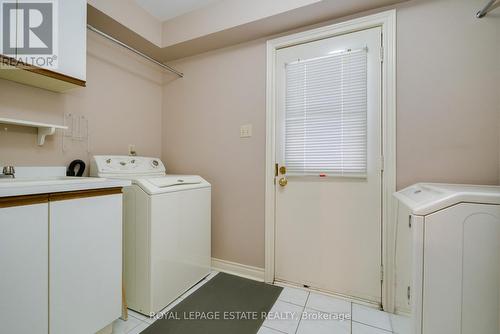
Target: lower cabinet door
461,270
85,263
24,269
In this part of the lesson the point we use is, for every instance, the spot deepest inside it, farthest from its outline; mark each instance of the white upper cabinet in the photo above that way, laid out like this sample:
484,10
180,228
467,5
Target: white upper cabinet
44,43
73,38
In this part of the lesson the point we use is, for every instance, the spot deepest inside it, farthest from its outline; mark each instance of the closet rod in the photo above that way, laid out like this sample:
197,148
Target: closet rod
168,68
486,9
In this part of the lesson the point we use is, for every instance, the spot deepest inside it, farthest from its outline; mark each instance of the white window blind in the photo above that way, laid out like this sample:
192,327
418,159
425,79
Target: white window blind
326,115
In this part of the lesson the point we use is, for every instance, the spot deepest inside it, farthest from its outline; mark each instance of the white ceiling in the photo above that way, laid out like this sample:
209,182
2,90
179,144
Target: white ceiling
167,9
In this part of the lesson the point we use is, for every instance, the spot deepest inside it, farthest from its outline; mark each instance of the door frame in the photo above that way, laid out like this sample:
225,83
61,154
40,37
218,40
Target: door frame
387,21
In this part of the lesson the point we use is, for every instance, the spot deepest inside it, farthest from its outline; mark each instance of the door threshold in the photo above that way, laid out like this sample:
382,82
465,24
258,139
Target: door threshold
359,301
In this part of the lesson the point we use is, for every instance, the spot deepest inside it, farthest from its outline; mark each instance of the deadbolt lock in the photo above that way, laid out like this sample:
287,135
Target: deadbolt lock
283,170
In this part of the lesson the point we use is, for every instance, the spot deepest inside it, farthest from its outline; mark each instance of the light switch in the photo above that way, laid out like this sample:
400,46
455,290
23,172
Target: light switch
246,131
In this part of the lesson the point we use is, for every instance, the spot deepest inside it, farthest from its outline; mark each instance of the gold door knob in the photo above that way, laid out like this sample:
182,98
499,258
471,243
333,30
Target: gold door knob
283,182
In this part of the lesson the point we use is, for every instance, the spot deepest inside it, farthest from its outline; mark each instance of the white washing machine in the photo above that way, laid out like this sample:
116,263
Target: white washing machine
167,230
448,258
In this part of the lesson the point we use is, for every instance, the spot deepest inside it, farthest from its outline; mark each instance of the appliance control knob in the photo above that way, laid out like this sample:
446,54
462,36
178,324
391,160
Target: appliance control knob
108,161
155,163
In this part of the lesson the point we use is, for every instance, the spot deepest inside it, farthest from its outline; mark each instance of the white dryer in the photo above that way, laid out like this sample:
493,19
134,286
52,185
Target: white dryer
167,230
448,258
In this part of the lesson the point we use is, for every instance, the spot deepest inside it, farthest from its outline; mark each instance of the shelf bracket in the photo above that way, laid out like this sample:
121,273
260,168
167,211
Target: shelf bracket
44,132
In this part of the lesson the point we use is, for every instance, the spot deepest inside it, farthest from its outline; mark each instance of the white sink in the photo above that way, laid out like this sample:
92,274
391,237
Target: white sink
52,184
45,180
56,180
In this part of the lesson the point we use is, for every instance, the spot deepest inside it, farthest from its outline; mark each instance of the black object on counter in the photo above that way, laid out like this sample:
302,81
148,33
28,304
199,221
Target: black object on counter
74,164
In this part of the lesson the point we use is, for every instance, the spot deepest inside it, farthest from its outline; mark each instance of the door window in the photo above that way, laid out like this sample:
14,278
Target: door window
326,115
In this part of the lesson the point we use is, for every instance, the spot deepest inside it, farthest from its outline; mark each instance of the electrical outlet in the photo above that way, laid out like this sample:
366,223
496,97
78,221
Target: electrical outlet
246,131
131,150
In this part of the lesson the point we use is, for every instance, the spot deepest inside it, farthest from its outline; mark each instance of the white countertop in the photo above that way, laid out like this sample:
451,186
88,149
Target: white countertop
425,198
31,186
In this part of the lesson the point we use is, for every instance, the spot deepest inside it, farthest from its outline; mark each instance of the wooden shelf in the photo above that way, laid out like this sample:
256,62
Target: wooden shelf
43,128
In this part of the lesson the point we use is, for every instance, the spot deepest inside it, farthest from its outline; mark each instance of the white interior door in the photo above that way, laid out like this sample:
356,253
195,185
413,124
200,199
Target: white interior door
328,137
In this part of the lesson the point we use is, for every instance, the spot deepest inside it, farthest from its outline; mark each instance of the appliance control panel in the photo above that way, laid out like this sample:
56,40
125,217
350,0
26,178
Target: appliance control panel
116,164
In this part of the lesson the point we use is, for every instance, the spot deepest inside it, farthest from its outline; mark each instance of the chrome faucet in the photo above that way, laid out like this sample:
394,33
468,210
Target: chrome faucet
8,171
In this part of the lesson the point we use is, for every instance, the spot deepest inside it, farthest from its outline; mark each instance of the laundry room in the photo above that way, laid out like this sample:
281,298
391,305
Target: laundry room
236,166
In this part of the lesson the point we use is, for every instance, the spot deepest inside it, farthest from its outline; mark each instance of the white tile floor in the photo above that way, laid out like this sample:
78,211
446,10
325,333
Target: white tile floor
315,313
299,311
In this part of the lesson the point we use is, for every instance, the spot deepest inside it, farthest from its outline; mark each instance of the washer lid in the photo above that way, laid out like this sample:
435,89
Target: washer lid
171,183
425,198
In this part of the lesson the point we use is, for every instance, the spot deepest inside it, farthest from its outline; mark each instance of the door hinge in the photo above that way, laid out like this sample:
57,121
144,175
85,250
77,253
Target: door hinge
382,163
409,221
381,273
408,294
381,53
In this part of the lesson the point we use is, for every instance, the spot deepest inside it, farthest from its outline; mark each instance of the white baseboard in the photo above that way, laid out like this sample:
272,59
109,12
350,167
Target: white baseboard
238,269
402,311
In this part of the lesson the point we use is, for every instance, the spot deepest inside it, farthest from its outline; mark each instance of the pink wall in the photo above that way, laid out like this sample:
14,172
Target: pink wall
448,99
202,117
